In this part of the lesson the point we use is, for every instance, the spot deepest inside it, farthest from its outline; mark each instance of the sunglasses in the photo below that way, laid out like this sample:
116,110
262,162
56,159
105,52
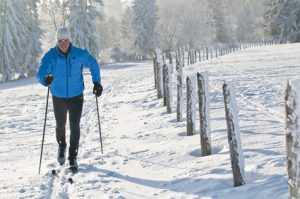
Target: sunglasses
62,40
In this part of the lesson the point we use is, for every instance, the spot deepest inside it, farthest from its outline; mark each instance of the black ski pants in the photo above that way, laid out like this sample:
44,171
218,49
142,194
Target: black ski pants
61,107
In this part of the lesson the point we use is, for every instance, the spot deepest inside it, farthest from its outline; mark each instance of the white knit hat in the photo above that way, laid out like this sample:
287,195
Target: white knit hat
63,33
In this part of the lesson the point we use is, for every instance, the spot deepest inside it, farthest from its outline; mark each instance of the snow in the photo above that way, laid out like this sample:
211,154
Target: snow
146,152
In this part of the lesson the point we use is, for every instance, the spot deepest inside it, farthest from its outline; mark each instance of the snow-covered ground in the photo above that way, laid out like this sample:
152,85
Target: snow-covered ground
146,152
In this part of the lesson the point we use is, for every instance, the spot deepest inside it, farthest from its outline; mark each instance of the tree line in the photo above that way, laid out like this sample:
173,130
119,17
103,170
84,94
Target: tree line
136,30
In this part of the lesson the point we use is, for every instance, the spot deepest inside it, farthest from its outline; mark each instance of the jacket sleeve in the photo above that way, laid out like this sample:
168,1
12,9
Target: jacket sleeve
44,68
93,65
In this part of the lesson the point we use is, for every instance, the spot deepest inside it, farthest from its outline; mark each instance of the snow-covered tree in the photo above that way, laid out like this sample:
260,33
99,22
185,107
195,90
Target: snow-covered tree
144,22
57,10
127,36
169,24
181,23
221,22
246,23
83,15
2,33
113,36
13,37
33,48
283,20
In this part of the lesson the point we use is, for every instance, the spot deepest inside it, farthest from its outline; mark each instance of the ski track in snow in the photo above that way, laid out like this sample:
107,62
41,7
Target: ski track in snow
146,152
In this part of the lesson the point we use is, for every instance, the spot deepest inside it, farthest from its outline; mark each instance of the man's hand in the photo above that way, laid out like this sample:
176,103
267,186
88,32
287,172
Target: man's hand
48,79
97,90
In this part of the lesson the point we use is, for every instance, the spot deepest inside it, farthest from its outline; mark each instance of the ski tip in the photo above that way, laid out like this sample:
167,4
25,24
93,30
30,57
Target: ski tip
53,172
70,180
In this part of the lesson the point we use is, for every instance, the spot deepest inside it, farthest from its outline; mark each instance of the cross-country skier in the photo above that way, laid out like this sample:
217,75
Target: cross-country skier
61,69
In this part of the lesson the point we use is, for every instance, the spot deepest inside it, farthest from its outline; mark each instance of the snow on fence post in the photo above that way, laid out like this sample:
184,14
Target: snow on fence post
204,107
206,53
236,154
159,74
190,105
179,66
292,107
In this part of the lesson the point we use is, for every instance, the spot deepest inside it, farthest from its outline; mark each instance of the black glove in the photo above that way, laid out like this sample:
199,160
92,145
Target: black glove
48,79
97,90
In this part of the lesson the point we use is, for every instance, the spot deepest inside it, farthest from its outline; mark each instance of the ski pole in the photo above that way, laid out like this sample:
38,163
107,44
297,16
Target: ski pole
99,124
44,130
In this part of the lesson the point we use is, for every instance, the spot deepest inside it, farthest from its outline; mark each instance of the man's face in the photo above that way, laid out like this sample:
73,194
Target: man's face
63,44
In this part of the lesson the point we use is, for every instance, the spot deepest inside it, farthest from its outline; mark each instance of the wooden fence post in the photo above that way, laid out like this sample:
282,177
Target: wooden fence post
179,66
159,72
183,57
188,56
199,51
165,84
193,56
292,96
190,106
155,71
168,83
155,66
204,107
236,154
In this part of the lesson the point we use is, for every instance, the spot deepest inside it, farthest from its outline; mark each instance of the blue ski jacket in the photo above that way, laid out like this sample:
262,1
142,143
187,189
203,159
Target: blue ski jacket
67,71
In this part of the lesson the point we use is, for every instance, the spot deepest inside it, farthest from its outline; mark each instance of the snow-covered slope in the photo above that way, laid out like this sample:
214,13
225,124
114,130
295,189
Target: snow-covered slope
146,152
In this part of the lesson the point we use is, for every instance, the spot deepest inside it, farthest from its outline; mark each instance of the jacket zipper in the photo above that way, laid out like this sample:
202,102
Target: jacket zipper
67,74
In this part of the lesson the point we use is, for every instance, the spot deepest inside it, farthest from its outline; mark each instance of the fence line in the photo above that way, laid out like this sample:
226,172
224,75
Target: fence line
163,81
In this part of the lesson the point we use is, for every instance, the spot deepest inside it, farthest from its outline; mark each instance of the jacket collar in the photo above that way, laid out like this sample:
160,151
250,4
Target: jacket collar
62,53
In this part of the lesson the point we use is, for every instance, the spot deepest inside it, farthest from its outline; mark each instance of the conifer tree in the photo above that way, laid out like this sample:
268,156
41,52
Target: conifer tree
245,24
33,48
144,23
222,23
83,15
127,35
283,20
13,37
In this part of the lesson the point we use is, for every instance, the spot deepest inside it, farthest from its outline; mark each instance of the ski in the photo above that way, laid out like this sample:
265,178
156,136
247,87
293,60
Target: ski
69,174
55,172
72,172
70,180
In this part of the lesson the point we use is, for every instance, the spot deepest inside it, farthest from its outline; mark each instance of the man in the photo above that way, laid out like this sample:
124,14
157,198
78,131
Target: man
61,69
